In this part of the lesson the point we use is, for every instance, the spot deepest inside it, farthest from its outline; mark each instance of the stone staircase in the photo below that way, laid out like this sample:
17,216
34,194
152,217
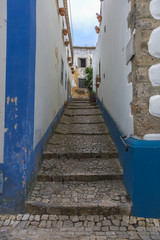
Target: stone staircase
81,173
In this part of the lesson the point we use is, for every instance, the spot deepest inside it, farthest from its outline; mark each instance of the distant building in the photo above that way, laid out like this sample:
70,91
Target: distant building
83,57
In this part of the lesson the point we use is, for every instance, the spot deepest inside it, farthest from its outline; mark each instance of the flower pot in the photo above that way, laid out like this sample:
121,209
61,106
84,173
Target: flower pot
99,17
93,97
65,32
66,43
62,11
97,29
98,79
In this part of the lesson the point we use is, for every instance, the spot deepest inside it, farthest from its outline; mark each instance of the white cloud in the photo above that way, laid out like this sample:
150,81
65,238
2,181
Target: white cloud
84,13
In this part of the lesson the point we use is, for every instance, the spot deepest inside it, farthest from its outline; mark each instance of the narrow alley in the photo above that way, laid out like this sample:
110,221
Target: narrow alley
79,193
79,120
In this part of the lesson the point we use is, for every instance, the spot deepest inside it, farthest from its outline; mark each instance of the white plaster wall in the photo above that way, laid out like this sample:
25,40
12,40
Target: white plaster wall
153,45
3,27
154,75
155,9
50,94
111,52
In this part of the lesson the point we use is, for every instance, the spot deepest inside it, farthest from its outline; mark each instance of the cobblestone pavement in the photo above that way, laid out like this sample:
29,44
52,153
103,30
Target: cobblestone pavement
79,194
84,227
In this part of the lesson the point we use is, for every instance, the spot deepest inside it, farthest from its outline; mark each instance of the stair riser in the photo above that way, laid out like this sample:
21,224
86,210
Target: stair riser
83,178
82,133
70,211
48,155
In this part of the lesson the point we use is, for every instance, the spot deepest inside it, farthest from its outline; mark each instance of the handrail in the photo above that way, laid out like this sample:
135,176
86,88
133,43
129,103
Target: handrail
124,143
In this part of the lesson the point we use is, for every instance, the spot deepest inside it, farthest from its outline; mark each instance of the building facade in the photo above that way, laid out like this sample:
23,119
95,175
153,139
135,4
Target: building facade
83,57
127,59
34,85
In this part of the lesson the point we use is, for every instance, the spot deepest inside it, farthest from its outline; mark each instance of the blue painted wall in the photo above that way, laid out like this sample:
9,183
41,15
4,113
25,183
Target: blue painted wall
141,165
19,105
21,161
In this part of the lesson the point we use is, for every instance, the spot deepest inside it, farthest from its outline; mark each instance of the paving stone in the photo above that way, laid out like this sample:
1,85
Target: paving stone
22,224
25,217
6,222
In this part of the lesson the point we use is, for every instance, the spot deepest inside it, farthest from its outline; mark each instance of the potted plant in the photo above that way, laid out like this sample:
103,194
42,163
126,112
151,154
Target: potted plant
62,11
66,43
97,29
99,17
65,31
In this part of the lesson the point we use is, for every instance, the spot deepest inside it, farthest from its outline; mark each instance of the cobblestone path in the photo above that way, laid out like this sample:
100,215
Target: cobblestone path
79,193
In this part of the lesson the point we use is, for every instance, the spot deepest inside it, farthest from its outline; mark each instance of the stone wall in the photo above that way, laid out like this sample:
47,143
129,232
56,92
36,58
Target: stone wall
144,22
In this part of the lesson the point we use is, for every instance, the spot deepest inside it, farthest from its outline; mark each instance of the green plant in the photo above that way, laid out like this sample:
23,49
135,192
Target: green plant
89,78
92,92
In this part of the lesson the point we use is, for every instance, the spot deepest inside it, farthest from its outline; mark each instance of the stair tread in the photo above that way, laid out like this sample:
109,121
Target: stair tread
82,119
82,112
91,129
81,144
105,194
81,107
83,169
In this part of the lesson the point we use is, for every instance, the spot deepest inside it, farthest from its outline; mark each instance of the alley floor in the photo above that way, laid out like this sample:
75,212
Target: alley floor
79,192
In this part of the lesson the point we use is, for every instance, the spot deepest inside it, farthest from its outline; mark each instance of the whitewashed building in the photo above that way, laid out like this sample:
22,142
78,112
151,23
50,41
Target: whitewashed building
127,59
34,86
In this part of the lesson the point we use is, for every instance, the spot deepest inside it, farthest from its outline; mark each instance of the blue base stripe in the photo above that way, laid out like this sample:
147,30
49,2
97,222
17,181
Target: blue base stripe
141,165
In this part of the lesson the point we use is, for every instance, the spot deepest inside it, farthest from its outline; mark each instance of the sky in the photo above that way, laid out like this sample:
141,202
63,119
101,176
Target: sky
83,21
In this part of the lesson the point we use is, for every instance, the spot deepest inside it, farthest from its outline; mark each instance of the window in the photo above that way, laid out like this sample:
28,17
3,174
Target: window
81,83
62,69
82,62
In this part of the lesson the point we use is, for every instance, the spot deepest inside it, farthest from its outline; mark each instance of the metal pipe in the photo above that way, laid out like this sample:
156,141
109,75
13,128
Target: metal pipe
124,143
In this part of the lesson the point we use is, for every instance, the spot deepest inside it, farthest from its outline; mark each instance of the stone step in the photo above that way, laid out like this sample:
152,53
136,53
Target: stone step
85,129
95,169
82,112
80,100
95,119
78,144
79,155
81,198
82,107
